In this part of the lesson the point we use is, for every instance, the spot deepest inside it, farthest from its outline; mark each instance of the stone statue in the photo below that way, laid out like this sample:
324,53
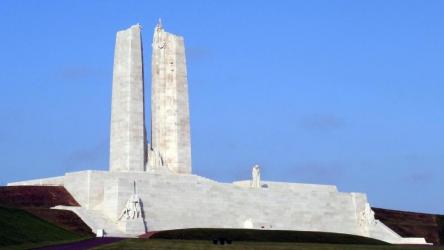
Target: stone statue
367,216
159,24
132,208
159,36
154,158
256,177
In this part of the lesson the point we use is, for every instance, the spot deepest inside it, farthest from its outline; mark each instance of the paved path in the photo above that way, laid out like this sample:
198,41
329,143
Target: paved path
83,245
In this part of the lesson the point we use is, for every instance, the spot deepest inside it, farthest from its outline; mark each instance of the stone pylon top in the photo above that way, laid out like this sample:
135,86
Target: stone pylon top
159,25
138,25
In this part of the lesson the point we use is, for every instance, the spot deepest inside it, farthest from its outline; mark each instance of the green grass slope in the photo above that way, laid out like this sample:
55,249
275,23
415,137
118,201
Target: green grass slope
38,201
163,244
20,227
264,235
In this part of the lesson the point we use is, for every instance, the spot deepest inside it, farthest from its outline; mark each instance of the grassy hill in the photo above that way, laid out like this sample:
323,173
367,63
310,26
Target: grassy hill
210,234
19,227
163,244
36,196
412,224
27,220
38,201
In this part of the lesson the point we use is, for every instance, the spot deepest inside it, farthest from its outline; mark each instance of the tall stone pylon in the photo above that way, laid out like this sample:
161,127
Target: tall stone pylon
128,148
170,117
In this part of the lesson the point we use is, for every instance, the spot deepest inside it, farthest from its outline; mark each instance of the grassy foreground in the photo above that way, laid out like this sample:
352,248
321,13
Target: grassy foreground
163,244
256,235
22,230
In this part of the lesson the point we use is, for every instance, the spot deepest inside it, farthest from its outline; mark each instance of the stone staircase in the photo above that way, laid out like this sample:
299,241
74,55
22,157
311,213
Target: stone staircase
95,220
381,231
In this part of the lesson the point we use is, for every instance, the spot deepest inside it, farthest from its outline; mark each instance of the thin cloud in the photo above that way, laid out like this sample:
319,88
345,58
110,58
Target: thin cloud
72,73
197,54
415,173
319,169
322,122
420,177
85,158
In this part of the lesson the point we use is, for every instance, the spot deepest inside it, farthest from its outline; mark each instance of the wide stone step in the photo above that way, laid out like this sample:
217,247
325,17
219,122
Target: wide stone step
95,220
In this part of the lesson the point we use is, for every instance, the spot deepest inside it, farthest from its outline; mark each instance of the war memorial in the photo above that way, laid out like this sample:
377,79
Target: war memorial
150,185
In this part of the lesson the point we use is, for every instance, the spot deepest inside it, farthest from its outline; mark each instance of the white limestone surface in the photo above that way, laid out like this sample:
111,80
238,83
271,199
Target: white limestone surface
97,222
128,145
50,181
170,196
177,201
170,117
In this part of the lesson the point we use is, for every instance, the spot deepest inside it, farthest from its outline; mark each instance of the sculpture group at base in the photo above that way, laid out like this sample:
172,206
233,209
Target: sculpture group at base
133,207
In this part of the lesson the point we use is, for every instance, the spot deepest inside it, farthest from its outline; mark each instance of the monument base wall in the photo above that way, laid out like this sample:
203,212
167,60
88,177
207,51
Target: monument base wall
178,201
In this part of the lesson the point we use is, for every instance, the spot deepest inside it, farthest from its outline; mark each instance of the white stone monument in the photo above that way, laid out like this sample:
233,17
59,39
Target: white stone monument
170,118
168,195
128,135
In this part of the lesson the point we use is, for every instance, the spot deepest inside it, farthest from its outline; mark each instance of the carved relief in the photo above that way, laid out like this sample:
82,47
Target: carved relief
367,216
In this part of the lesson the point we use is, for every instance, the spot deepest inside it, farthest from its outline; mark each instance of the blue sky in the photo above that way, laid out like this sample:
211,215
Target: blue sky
334,92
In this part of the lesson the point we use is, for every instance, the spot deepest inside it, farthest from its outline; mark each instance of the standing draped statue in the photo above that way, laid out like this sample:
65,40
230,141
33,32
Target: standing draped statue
256,177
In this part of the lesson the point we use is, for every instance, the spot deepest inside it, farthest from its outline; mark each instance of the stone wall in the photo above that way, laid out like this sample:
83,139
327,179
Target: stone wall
178,201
